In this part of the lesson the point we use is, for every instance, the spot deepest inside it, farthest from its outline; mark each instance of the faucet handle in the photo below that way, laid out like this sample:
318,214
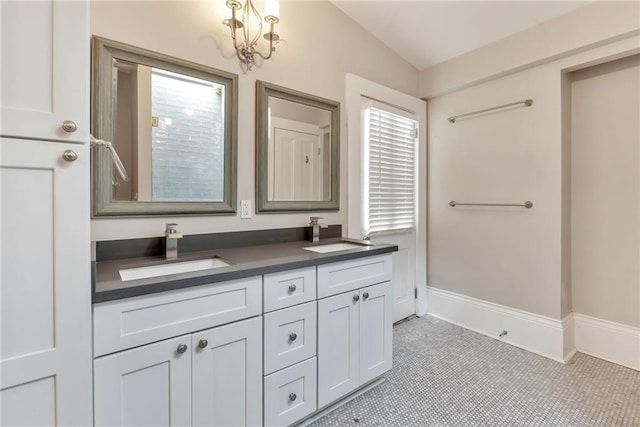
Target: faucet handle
171,231
314,220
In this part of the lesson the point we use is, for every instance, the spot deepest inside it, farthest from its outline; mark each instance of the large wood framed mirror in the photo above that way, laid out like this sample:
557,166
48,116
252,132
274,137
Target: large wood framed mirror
297,151
173,124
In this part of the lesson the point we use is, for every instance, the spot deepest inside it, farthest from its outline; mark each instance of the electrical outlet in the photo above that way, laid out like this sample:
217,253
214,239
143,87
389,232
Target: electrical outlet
245,209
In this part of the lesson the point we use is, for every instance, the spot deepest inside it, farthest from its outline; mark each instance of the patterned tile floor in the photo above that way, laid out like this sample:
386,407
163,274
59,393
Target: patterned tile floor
445,375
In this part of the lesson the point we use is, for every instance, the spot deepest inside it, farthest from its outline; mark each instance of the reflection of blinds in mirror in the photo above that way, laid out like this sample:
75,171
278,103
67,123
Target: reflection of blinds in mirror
390,199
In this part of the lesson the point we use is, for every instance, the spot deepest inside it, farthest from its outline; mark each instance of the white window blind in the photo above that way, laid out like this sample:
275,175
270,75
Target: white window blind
390,199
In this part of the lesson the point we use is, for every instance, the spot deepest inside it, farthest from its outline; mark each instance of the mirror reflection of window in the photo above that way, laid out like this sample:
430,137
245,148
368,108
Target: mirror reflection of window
169,131
299,151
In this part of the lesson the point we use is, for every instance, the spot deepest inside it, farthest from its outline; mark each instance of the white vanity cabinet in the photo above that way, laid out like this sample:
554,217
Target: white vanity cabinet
226,378
211,378
248,352
354,327
45,70
290,343
208,377
45,316
45,312
148,385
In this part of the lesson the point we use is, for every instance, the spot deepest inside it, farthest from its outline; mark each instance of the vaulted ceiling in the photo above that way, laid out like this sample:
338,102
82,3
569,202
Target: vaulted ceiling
425,32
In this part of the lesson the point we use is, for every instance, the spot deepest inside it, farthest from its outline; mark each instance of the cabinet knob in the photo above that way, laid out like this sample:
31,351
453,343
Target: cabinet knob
69,155
356,298
181,348
293,336
292,288
365,295
292,397
69,126
203,343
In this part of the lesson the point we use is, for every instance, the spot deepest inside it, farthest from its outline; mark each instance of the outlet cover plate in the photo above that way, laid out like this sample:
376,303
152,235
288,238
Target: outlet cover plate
245,209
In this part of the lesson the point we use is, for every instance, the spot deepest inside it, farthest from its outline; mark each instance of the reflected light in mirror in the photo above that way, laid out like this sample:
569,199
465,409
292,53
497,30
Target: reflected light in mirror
169,132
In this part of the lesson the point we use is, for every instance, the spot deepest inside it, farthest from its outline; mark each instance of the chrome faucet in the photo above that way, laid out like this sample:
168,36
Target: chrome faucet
171,240
316,227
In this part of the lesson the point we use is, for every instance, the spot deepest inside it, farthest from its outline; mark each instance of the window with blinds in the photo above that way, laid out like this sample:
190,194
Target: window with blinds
390,174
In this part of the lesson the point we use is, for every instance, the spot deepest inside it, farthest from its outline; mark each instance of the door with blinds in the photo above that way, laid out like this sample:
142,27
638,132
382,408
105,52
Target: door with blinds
389,145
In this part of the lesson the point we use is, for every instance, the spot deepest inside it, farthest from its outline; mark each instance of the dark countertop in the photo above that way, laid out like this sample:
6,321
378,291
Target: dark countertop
245,262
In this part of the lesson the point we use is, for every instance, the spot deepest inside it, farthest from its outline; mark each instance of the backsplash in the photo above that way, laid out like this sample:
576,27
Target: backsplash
154,246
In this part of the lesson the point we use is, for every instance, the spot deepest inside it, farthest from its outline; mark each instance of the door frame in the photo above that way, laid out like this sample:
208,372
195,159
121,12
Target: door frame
356,89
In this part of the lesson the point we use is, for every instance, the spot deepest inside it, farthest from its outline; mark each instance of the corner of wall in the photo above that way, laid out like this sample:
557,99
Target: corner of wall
565,293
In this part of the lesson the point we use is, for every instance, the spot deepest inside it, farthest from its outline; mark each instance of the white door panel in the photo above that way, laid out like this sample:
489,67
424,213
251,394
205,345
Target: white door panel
45,69
404,273
338,346
376,330
227,375
45,287
148,385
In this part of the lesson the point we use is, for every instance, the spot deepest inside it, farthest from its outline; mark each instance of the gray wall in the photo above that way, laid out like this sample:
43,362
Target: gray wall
515,257
605,211
319,46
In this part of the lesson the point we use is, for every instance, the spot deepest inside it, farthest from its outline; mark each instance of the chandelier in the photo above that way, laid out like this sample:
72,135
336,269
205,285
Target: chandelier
246,22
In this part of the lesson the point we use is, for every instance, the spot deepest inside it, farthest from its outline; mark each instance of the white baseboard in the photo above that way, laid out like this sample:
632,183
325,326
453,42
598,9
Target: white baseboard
607,340
532,332
568,337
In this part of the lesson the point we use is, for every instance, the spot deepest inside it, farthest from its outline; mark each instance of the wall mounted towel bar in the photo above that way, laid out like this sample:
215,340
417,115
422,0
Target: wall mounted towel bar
528,204
526,103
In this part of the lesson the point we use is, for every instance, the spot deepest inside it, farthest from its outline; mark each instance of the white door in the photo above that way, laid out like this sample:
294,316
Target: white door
409,272
45,69
376,330
45,290
227,375
404,273
297,166
338,346
145,386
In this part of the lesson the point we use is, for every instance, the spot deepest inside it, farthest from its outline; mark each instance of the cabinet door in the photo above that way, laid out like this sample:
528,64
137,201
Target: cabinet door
376,325
227,375
45,69
338,349
45,312
148,385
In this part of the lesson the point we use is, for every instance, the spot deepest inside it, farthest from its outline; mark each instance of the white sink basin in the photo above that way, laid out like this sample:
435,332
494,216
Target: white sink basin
332,247
136,273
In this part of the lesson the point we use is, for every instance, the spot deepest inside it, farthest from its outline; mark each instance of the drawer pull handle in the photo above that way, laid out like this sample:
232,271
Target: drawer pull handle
356,298
293,336
203,343
365,295
181,348
70,156
69,126
292,288
292,397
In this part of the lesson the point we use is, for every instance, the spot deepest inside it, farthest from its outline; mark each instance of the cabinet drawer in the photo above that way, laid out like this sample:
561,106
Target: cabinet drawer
131,322
287,288
290,394
346,276
289,336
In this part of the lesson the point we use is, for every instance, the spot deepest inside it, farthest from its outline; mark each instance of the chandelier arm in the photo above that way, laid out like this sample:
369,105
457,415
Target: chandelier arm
263,56
258,33
232,27
271,48
246,50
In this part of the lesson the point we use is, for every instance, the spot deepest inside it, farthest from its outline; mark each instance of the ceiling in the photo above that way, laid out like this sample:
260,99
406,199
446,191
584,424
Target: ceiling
428,32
